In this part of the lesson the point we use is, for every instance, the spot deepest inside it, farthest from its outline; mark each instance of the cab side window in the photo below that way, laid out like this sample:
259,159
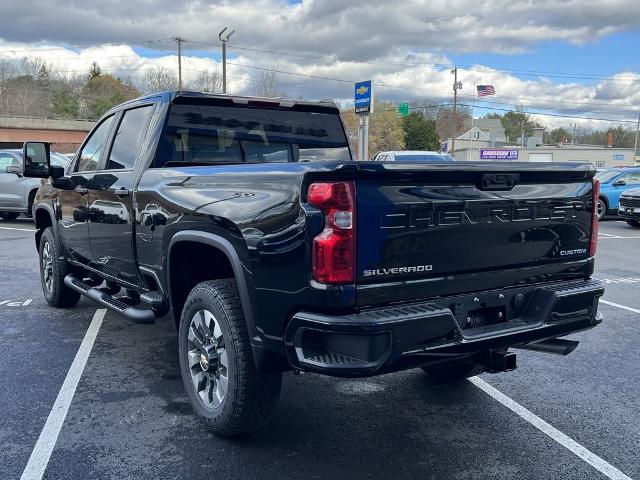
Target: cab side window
129,137
89,157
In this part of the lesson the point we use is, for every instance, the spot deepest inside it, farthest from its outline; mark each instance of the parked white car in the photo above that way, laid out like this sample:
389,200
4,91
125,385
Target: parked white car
418,156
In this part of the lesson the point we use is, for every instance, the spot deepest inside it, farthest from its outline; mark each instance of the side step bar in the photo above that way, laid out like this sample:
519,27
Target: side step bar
136,315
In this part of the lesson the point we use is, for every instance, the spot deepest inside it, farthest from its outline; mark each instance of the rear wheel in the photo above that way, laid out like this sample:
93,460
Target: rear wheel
602,208
9,215
634,223
53,269
452,373
223,386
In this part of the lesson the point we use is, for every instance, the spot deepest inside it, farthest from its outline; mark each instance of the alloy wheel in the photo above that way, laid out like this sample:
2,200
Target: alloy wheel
207,357
47,266
601,209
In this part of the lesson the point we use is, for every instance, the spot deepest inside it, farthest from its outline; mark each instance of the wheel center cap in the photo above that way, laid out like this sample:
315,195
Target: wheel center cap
208,358
204,362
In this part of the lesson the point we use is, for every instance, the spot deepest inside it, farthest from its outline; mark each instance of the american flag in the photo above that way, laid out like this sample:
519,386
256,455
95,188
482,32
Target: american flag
484,90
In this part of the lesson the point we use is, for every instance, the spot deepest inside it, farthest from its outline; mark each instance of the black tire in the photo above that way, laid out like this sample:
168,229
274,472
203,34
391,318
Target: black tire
634,223
602,208
452,373
250,396
53,269
9,215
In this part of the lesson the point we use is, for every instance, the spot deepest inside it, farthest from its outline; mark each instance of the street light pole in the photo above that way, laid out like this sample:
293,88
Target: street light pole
224,41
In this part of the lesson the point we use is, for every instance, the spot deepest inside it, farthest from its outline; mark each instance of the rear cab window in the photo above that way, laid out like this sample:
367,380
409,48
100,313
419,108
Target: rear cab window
128,138
219,134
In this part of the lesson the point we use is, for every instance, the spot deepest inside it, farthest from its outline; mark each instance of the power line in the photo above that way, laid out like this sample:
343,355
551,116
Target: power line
332,57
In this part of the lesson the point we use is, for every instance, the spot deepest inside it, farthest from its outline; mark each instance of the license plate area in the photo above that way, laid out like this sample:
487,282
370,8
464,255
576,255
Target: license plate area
474,313
484,317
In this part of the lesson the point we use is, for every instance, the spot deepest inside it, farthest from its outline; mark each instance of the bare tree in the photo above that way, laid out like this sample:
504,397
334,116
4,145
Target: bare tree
210,82
268,84
158,80
7,71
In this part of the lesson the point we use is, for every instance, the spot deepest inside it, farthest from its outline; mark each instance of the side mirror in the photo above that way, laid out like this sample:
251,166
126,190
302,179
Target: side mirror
56,171
620,183
37,156
17,169
62,182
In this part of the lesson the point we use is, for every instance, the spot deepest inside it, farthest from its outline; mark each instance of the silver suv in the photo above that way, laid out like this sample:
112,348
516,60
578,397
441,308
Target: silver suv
17,191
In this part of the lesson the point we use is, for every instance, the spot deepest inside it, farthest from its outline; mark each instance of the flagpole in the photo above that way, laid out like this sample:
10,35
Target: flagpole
473,106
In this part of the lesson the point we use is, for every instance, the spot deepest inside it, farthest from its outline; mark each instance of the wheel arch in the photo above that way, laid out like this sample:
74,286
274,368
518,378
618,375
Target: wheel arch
223,247
31,197
605,199
44,217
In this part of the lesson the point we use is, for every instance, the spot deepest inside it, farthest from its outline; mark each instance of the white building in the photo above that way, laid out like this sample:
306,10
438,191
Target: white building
486,141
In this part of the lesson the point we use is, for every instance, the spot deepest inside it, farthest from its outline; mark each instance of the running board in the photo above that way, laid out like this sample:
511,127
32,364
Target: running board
136,315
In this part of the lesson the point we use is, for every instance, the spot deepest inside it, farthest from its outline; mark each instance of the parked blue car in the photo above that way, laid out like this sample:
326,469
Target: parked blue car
612,183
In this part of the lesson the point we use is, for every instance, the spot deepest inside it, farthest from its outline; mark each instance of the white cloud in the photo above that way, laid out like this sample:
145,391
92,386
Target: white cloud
397,44
349,28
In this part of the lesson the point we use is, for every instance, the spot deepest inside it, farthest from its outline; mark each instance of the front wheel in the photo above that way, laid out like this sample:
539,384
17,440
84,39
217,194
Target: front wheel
602,208
225,390
9,215
634,223
53,269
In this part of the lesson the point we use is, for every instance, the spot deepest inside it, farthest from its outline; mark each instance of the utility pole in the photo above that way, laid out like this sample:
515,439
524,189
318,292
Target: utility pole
179,41
224,41
635,145
573,135
456,85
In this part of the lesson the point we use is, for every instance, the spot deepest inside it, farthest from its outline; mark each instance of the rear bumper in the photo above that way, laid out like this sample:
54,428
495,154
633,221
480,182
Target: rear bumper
405,336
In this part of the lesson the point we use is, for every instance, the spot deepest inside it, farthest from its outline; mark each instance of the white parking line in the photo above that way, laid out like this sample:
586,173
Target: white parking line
606,302
615,237
20,229
49,436
591,458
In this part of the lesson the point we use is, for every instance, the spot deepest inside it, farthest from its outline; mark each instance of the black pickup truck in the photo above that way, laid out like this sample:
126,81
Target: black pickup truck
247,220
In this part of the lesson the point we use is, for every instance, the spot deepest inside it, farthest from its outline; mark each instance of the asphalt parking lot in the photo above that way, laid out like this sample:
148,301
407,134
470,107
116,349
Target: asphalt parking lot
129,417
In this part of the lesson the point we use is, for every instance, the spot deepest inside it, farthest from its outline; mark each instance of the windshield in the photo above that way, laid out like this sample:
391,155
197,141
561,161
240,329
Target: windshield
424,158
213,134
59,160
606,176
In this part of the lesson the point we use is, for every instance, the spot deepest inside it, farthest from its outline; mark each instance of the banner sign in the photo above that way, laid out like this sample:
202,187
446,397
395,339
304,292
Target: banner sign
498,154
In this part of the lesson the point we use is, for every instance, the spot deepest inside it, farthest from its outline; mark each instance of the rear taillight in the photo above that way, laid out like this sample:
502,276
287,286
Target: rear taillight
593,244
334,249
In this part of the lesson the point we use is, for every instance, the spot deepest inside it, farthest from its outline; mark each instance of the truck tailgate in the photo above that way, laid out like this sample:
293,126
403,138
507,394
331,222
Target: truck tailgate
436,221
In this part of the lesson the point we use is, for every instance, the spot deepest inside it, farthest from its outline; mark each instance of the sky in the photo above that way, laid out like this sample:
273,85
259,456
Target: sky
566,61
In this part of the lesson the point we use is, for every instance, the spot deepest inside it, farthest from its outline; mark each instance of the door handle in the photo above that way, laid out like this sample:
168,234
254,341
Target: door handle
82,190
122,192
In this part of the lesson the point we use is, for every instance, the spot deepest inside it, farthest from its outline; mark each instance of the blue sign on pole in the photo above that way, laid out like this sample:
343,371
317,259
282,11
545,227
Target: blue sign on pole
363,99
